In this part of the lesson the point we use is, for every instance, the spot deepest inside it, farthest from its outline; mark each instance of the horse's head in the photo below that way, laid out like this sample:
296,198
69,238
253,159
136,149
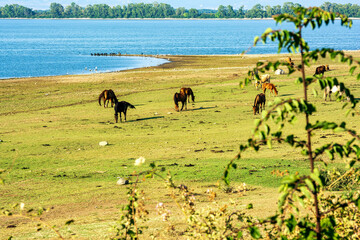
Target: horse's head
255,109
276,91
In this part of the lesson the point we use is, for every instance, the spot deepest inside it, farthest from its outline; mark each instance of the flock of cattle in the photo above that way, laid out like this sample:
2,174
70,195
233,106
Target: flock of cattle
185,93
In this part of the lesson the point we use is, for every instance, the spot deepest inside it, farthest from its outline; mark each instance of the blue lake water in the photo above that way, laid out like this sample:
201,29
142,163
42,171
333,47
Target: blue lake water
31,48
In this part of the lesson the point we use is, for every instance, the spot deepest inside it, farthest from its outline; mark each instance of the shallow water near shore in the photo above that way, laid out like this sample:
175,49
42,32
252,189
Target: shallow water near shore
30,48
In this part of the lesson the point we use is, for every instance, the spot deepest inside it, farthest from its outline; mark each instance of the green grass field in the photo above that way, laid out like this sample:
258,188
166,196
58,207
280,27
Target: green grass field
51,127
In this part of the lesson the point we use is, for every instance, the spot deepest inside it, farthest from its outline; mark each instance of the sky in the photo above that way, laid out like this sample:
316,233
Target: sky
198,4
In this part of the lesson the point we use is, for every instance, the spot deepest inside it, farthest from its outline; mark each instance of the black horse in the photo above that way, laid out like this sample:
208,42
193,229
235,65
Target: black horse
121,107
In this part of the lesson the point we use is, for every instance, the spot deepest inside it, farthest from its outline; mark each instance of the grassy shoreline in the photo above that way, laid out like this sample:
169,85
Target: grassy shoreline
51,127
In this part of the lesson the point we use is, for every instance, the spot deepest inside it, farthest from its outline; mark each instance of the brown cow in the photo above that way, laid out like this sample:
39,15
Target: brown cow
259,103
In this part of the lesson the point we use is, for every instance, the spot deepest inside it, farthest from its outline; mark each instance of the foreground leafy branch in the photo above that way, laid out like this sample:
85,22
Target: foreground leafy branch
315,220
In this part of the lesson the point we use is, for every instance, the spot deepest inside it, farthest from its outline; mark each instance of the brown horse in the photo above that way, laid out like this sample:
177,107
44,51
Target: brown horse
106,96
188,92
269,86
259,102
320,70
121,107
289,61
180,97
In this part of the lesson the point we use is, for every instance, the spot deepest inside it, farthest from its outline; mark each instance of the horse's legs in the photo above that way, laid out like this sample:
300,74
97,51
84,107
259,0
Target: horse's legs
185,105
182,106
116,117
125,115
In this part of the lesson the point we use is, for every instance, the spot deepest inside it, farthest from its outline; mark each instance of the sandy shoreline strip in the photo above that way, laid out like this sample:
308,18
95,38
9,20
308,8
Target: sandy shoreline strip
167,57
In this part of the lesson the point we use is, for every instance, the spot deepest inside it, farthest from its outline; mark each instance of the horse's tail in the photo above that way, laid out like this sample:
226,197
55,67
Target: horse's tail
176,101
101,96
192,95
129,105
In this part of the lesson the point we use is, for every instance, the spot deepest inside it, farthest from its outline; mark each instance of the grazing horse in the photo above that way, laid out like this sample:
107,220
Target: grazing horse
121,107
289,61
334,89
106,96
263,79
320,70
180,97
271,87
188,92
259,102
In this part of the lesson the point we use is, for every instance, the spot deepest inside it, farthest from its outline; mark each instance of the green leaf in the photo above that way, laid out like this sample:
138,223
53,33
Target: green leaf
268,30
257,122
256,39
305,191
316,177
264,113
315,92
339,129
69,222
255,232
310,184
352,69
234,166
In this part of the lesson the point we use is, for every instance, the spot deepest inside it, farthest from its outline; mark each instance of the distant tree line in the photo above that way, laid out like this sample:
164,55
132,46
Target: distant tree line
162,10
